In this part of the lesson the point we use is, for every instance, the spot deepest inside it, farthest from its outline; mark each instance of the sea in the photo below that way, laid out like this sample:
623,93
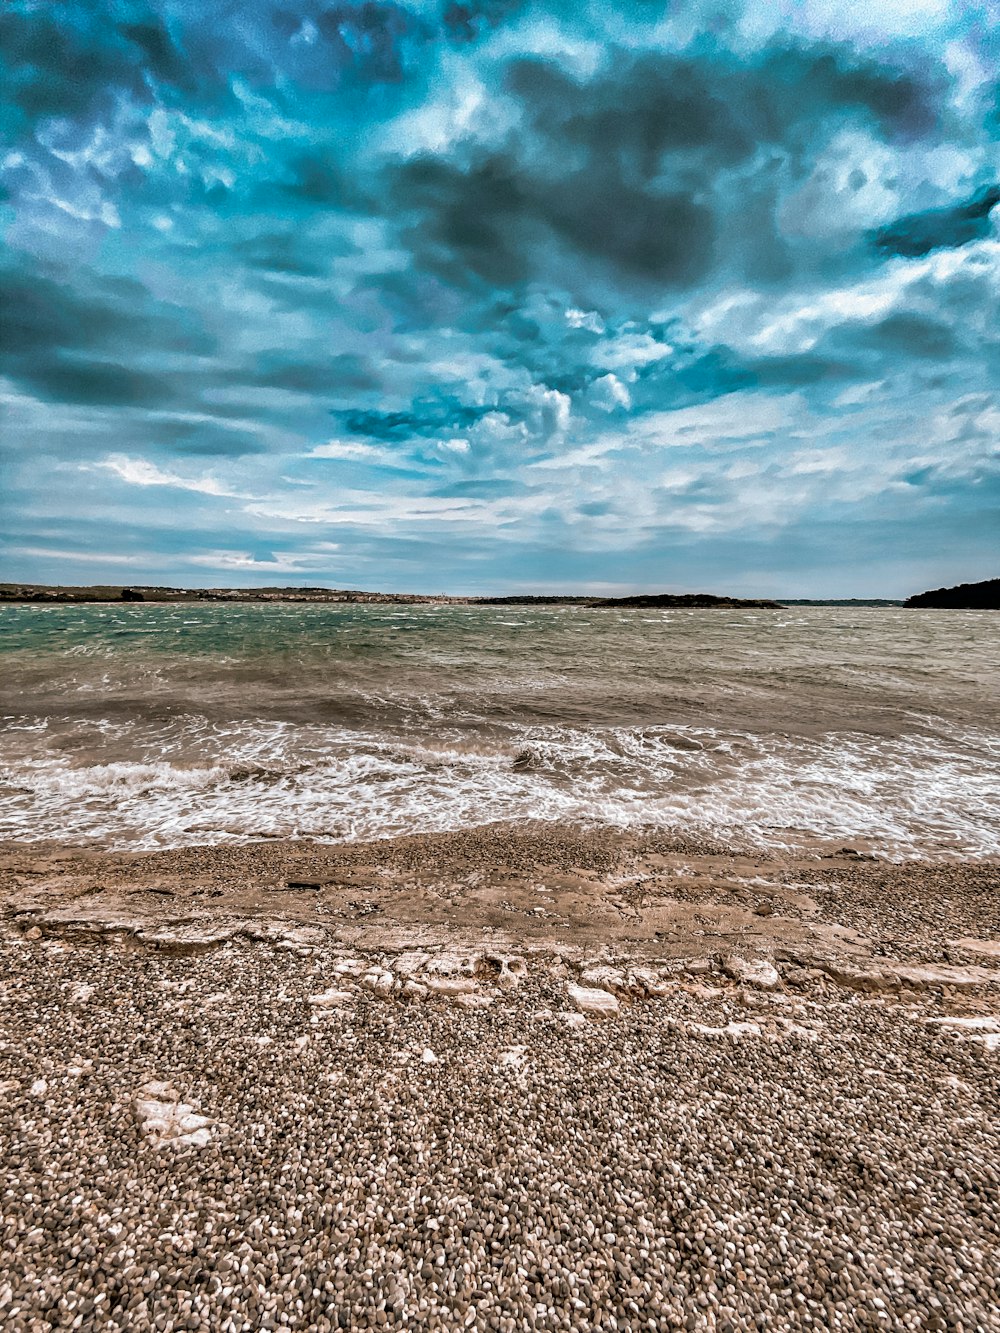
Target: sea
164,725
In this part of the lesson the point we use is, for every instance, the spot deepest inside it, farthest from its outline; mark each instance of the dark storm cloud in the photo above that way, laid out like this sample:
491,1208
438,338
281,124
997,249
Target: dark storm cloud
427,418
624,168
73,339
918,234
324,375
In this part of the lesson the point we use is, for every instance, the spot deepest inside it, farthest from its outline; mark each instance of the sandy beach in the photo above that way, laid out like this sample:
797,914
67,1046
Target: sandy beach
506,1078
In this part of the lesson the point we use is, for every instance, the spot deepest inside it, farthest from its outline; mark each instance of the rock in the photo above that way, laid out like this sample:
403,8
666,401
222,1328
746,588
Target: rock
803,976
450,985
889,975
730,1030
507,971
990,948
645,981
39,1088
379,983
600,976
757,972
34,933
591,1000
566,1017
166,1120
981,1027
428,1057
331,999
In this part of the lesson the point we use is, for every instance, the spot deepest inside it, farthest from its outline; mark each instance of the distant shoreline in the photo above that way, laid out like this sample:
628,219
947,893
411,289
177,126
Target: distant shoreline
33,593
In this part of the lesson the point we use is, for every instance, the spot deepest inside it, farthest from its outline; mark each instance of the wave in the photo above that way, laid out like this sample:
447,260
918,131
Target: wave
190,781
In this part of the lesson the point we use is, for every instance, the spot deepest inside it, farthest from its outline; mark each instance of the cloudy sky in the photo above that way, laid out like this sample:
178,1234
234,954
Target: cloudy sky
495,295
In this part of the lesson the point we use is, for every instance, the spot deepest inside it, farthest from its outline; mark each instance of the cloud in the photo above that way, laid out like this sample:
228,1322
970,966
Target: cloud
239,562
625,167
608,393
559,284
353,451
918,234
141,472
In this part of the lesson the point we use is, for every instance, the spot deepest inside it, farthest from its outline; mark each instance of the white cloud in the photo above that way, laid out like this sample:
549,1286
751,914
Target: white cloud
140,472
608,393
756,323
547,410
351,451
585,319
630,351
587,455
242,561
84,557
733,419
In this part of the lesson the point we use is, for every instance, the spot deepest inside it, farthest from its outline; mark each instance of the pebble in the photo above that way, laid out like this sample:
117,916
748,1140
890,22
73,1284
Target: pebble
663,1168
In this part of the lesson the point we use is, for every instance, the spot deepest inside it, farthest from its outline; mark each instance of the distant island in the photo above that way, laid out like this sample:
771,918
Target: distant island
983,596
19,592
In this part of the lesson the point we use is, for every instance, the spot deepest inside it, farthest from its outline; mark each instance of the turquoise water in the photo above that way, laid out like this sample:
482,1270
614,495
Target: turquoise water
156,725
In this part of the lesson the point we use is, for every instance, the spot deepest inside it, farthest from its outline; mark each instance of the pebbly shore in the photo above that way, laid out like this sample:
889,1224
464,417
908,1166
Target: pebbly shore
235,1110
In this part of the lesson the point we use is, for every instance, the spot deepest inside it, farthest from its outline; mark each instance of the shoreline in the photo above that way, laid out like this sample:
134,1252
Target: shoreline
544,884
531,1077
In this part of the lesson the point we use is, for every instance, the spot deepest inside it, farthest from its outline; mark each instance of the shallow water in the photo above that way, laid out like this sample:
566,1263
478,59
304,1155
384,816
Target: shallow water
160,725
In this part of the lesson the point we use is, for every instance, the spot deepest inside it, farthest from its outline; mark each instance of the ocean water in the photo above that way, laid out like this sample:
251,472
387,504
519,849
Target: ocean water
166,725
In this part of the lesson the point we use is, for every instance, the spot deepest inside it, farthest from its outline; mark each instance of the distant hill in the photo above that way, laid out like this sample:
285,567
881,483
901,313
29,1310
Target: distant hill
983,596
18,592
695,599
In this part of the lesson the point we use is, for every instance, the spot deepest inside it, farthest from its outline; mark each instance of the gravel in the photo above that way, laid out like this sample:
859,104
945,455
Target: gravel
706,1158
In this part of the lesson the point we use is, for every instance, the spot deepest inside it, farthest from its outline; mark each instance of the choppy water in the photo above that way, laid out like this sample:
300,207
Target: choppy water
152,725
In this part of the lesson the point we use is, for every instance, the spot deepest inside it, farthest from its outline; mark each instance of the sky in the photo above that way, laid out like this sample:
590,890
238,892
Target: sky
500,296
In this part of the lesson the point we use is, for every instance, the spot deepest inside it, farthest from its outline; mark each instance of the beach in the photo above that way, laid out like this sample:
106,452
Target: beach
441,967
513,1077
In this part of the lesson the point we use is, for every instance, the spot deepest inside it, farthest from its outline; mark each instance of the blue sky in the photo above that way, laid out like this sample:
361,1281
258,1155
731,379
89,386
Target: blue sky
496,296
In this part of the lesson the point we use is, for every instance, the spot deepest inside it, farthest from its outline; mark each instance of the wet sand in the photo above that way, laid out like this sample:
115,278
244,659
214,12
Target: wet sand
508,1078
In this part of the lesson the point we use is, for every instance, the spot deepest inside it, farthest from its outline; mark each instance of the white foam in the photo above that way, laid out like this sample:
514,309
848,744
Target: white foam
906,796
